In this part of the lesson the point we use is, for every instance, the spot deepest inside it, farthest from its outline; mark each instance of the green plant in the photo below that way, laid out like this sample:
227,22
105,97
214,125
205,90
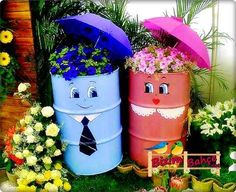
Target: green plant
8,62
49,35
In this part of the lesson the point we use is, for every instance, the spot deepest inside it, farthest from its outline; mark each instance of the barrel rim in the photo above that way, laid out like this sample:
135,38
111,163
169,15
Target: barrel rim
169,73
90,76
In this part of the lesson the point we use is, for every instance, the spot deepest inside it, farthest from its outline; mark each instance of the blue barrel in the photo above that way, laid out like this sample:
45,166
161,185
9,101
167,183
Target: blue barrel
88,110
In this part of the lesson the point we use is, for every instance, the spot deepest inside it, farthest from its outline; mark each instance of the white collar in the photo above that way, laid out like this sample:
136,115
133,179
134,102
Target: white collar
80,117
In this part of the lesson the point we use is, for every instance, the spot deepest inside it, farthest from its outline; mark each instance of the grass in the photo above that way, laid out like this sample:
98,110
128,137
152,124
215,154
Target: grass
112,181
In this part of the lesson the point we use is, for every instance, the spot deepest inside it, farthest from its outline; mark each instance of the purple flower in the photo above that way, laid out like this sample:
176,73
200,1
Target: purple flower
59,60
88,51
82,68
97,57
53,70
63,67
67,56
91,70
107,69
72,73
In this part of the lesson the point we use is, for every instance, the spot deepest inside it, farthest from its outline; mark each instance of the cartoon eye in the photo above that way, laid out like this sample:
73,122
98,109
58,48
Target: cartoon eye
74,93
92,92
164,88
148,88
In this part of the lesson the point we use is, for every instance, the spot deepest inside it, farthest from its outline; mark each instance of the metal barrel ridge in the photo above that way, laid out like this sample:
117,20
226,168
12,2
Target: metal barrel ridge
158,112
97,98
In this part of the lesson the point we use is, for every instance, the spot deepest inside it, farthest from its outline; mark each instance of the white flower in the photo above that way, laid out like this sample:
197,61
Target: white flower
38,126
39,148
19,155
31,160
17,138
47,111
57,152
51,187
49,142
22,87
47,160
28,131
28,119
52,130
26,153
30,139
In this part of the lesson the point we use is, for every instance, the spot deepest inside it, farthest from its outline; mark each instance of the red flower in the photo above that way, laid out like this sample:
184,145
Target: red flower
11,132
16,159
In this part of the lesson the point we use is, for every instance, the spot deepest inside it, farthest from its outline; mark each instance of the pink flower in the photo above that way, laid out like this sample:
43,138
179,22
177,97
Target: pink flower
151,68
142,66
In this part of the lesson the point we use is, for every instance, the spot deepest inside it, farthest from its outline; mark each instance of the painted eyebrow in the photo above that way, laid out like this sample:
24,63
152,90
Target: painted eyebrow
163,77
149,76
71,83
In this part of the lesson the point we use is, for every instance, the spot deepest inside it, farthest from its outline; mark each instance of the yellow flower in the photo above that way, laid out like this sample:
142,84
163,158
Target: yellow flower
4,58
22,182
58,166
21,188
56,174
57,152
6,36
47,160
52,130
19,155
47,175
58,182
67,186
40,178
28,119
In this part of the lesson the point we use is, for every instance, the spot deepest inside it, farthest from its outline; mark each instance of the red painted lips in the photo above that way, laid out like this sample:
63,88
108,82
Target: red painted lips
155,101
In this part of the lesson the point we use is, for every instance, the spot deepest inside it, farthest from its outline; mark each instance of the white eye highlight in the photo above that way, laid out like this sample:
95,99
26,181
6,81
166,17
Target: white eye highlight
74,93
148,88
164,89
92,92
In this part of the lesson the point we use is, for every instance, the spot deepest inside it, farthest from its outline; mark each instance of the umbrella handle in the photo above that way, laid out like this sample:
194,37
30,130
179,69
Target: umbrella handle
98,39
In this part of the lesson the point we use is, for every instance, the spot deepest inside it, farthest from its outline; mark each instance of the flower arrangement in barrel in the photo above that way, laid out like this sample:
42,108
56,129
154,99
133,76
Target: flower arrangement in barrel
154,59
33,149
8,63
82,59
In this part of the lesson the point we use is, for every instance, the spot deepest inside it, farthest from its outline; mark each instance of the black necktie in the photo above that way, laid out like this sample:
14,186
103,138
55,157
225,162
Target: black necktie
87,140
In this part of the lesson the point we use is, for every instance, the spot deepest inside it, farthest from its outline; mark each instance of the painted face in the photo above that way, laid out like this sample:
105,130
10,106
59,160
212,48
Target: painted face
87,94
166,94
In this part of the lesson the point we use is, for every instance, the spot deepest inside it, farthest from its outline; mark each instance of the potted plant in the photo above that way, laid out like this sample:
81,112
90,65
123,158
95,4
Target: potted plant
160,177
179,183
159,96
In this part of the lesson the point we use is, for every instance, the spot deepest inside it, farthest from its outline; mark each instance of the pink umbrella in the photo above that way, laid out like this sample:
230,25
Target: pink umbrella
187,40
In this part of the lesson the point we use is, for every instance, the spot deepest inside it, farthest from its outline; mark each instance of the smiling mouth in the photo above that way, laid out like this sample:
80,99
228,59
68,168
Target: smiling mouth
84,107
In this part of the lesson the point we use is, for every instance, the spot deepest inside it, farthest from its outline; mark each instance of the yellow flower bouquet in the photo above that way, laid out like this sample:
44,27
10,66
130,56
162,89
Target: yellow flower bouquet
35,149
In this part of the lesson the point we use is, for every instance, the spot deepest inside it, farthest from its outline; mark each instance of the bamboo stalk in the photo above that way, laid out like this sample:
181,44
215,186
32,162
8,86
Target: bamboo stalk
215,20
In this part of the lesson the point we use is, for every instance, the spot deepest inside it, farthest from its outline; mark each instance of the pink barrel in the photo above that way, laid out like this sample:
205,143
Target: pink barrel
158,111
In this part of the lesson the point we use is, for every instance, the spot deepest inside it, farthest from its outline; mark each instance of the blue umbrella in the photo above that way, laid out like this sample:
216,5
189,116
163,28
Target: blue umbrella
100,31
